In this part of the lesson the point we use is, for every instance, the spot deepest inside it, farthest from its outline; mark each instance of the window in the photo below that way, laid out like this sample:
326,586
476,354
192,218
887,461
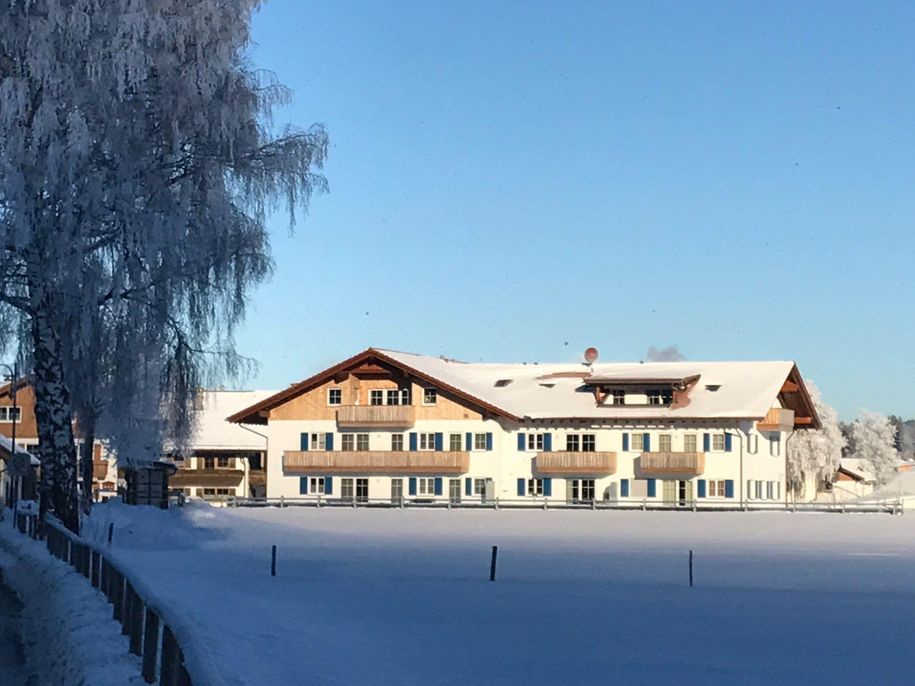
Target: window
316,485
770,490
617,397
208,463
479,486
752,444
534,442
718,442
427,441
582,490
396,442
660,396
775,444
535,486
396,490
224,462
362,442
349,442
638,441
393,397
335,396
716,489
347,489
355,442
454,443
318,442
689,443
7,414
573,443
430,396
758,491
479,441
588,443
405,396
664,443
376,397
425,486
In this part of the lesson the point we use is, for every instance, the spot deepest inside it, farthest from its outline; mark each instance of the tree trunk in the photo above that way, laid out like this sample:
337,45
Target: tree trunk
52,412
87,428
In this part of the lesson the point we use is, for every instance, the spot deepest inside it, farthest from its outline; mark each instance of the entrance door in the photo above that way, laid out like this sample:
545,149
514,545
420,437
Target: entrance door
670,492
684,493
362,490
346,489
454,490
397,491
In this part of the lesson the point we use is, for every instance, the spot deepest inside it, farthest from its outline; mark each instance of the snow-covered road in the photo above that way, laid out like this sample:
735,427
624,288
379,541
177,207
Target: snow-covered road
12,669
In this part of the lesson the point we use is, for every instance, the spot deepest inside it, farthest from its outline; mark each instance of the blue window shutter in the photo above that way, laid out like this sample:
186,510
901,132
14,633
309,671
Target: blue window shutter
624,488
521,490
489,441
438,485
701,488
468,486
706,443
413,445
548,487
625,442
646,442
329,441
303,441
652,488
439,442
328,485
548,442
468,442
729,488
412,485
727,442
522,442
303,485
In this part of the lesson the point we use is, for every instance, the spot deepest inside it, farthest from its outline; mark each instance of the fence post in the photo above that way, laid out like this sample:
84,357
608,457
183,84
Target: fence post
137,610
127,609
117,591
690,568
150,646
492,564
168,675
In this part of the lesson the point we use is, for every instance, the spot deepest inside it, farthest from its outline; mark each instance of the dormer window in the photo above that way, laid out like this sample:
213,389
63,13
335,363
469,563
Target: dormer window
660,396
617,397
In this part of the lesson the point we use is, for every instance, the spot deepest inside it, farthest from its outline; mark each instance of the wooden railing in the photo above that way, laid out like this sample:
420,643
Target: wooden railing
567,463
206,477
380,416
375,462
672,463
777,420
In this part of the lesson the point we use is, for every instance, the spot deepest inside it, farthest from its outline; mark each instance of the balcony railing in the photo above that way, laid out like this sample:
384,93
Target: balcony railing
375,462
777,420
380,416
210,478
567,463
672,463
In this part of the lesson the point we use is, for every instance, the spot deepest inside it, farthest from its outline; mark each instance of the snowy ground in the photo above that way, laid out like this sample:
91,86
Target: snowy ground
403,597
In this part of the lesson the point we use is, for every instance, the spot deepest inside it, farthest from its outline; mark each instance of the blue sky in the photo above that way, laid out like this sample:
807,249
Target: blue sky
518,181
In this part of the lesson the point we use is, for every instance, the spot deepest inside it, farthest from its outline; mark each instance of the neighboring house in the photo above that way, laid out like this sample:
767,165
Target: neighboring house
23,484
386,425
224,459
855,478
104,466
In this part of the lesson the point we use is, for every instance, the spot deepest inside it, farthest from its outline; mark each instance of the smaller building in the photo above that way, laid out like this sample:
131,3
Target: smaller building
19,478
854,479
224,459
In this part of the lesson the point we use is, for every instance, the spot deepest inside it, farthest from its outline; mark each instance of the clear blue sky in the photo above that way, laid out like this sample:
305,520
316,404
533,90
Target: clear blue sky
516,181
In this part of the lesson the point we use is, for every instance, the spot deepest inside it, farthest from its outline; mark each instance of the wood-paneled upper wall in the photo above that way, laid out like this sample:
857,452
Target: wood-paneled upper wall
26,428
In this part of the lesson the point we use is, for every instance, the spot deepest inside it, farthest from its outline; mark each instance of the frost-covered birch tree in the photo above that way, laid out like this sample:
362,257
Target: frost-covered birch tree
138,164
816,454
875,443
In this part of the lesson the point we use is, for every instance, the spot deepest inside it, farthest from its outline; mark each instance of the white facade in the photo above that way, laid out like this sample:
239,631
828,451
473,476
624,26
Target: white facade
548,450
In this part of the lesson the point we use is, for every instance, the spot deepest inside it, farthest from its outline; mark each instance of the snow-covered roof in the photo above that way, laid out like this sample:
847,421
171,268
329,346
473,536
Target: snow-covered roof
858,467
715,390
7,445
215,433
547,391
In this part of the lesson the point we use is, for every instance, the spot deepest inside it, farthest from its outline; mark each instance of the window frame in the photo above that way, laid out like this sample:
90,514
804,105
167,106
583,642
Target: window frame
669,440
334,396
535,487
637,439
317,441
425,486
397,443
573,443
476,442
425,441
452,443
376,394
718,443
689,439
316,485
534,442
426,394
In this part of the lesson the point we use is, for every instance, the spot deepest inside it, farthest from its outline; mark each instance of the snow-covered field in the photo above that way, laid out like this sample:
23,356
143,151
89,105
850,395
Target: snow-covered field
403,596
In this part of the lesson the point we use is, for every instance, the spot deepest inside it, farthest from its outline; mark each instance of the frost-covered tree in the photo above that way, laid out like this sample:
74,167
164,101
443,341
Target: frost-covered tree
816,453
875,442
137,167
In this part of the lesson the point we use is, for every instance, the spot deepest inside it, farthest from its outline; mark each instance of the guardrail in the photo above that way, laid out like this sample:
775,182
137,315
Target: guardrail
151,635
882,507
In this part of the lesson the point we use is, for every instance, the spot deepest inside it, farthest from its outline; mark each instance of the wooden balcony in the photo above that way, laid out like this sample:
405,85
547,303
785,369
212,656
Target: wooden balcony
568,463
207,478
375,462
99,469
687,464
376,416
777,420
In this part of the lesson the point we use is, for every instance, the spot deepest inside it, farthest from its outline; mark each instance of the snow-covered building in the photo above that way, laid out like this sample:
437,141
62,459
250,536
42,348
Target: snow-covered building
224,459
854,479
386,425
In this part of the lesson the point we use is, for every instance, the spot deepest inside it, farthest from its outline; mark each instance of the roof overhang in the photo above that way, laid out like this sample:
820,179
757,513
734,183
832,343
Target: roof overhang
680,381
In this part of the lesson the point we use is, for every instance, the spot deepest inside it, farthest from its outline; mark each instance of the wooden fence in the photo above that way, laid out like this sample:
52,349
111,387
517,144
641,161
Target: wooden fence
149,635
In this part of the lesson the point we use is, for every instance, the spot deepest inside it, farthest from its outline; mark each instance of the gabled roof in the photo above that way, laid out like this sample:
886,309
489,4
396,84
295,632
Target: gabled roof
213,432
720,390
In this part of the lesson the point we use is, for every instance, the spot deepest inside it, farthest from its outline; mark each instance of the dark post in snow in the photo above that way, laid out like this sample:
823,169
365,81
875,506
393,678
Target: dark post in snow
273,562
492,565
690,568
110,532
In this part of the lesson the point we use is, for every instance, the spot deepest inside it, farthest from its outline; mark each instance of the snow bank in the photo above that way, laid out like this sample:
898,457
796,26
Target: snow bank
68,633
